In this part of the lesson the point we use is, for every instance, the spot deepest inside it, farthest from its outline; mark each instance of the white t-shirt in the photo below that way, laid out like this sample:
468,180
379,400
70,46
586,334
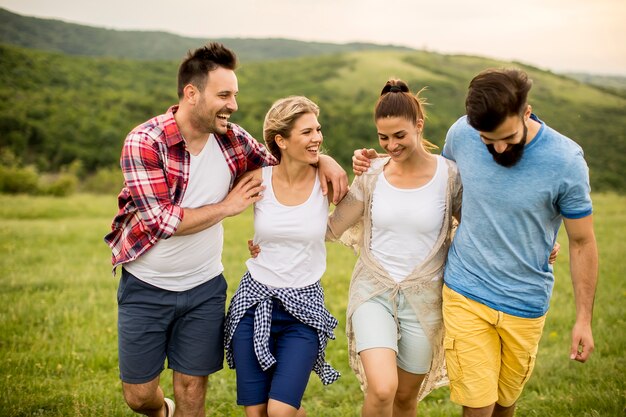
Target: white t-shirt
293,253
406,222
184,262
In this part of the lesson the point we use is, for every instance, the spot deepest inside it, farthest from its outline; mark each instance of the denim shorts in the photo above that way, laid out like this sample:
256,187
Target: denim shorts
185,327
295,347
375,327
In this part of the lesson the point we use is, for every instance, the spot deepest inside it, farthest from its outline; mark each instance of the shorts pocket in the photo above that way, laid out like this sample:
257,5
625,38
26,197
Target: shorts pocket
122,289
452,359
529,368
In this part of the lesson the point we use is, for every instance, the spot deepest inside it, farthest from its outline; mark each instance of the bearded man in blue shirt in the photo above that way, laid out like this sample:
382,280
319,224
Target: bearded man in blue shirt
521,179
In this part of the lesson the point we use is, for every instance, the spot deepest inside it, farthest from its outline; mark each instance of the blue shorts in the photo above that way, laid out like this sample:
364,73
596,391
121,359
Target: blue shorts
187,327
295,347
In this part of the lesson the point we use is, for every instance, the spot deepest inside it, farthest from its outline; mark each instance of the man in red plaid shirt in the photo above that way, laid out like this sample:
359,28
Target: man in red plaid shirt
181,170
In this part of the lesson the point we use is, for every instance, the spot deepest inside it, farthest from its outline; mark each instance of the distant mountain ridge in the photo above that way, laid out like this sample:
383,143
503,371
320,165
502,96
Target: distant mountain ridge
615,84
74,39
58,107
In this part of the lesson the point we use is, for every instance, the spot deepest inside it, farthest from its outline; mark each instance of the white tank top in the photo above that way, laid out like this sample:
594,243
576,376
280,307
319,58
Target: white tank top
183,262
406,222
293,253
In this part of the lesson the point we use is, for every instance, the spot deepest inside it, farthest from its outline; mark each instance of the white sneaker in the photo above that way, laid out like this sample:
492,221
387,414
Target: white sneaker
169,407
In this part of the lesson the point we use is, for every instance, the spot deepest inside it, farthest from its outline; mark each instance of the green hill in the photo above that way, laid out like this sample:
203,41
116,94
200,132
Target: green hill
348,86
74,39
55,108
611,83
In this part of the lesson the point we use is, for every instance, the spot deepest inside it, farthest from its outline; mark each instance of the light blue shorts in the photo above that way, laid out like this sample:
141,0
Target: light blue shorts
375,327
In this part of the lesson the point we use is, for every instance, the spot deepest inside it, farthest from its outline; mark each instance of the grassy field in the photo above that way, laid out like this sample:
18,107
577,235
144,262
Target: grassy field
58,339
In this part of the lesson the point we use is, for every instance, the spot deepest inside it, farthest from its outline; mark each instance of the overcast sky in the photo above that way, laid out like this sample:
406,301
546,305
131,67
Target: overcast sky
561,35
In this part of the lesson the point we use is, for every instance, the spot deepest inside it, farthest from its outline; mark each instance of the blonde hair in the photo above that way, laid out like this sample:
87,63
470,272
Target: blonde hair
281,118
396,100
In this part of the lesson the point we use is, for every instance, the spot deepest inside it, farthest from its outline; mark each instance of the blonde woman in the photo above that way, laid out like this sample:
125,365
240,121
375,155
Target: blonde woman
277,325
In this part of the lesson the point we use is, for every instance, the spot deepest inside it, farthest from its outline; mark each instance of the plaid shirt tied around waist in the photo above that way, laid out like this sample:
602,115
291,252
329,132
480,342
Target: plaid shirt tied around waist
305,304
155,164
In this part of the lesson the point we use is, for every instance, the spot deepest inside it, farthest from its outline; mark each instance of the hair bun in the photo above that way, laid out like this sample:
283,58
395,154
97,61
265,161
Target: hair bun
395,86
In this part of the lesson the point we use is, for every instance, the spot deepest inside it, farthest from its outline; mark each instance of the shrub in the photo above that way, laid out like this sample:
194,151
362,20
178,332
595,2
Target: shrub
19,180
60,185
104,181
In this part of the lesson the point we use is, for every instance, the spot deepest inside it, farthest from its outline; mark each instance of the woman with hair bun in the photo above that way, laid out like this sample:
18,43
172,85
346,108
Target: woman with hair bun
399,217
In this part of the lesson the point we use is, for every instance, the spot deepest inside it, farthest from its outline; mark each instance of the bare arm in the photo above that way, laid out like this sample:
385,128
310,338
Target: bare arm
331,172
246,192
584,269
347,213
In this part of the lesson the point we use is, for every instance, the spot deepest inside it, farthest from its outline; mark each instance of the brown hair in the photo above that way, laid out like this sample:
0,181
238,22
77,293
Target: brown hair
396,100
494,95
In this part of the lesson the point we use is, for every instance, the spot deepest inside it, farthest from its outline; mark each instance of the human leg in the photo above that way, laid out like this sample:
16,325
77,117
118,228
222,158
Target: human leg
146,399
196,339
500,411
414,358
478,411
382,381
259,410
277,408
253,383
376,338
189,393
520,342
296,347
473,353
405,401
493,410
196,343
144,314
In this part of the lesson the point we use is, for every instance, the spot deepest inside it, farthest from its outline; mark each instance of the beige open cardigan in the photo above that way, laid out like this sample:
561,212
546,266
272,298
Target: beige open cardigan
350,223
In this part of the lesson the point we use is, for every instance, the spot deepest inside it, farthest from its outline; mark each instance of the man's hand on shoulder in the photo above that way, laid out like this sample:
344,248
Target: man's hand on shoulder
247,191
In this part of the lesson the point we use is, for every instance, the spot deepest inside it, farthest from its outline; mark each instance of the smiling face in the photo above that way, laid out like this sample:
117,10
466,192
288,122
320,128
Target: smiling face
216,103
304,141
399,137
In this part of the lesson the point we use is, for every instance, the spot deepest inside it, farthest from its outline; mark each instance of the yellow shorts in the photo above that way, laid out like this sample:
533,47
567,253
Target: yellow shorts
489,354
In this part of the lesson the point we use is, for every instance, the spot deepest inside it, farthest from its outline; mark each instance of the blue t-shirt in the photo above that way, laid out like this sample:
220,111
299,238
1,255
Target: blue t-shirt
510,218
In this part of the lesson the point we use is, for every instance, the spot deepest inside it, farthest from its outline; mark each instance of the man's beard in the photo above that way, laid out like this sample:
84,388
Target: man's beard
511,156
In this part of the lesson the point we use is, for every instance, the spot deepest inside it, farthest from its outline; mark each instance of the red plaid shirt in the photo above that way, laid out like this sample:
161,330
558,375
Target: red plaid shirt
155,164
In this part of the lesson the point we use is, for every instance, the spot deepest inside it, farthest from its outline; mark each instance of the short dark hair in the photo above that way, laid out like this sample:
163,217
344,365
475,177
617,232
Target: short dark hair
196,66
494,95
